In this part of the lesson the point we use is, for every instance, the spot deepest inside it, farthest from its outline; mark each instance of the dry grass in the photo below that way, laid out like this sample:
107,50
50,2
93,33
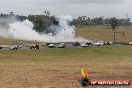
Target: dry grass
14,41
101,33
61,68
55,75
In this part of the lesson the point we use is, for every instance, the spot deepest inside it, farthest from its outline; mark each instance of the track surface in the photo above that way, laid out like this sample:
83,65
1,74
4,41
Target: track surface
41,47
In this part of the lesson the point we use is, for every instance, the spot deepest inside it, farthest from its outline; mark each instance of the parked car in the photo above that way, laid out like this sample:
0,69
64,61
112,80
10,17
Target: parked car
51,46
15,47
35,46
62,45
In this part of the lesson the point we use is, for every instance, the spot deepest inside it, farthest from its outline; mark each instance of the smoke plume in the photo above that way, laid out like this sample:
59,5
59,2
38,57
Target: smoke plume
23,30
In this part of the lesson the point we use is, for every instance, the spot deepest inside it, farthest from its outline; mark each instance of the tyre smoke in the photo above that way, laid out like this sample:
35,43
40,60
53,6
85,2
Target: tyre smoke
23,30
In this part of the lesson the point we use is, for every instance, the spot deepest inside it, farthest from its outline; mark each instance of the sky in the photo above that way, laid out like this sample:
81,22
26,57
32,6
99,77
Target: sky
75,8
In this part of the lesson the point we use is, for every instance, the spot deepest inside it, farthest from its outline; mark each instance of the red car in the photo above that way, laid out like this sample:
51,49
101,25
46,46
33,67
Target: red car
35,46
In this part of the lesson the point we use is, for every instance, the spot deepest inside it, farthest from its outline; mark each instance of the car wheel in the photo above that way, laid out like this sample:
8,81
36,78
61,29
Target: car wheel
85,82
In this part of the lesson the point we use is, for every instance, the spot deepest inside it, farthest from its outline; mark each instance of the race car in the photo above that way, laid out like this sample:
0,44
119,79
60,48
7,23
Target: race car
76,43
35,46
1,47
84,45
88,43
130,43
62,45
100,43
51,46
15,47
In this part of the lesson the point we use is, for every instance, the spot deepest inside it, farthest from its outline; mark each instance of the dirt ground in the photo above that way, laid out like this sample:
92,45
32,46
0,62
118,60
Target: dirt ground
47,69
55,75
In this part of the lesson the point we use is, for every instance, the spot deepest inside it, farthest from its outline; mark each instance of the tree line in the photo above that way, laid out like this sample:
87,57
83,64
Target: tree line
84,20
42,22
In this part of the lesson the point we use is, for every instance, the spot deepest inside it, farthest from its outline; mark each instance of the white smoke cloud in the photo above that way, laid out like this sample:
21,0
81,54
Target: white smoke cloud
24,31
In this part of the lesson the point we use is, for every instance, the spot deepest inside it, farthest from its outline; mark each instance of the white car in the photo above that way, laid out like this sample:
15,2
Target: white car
15,47
62,45
103,43
51,46
99,43
130,43
84,45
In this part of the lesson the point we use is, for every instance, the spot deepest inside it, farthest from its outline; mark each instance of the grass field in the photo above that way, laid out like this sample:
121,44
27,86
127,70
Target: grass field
15,41
102,33
61,68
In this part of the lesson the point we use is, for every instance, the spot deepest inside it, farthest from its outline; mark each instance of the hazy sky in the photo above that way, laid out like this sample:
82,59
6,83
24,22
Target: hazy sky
91,8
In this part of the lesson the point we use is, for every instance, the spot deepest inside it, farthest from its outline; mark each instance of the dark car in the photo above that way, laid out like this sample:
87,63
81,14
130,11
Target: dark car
88,43
1,47
35,46
76,43
107,43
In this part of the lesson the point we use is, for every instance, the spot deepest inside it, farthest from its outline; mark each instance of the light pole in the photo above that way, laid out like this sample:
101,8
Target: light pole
13,32
114,36
64,35
50,35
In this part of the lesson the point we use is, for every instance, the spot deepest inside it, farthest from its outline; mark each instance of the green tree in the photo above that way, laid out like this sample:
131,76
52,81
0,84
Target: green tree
39,25
54,20
114,23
